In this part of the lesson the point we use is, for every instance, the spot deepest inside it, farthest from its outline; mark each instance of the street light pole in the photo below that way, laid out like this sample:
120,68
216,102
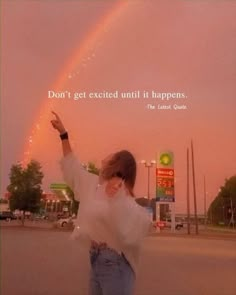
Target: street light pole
148,165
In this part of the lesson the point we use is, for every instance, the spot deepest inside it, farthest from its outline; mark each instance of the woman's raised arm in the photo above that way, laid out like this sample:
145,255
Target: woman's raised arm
75,175
58,125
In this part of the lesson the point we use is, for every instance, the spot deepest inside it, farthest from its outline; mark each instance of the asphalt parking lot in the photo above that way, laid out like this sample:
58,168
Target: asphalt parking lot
45,261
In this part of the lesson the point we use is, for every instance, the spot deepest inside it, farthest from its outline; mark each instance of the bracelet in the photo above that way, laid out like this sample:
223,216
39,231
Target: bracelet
64,135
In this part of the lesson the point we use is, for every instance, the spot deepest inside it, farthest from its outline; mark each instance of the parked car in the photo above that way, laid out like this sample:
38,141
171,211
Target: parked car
63,222
167,223
7,215
62,215
19,214
45,216
159,224
39,217
178,224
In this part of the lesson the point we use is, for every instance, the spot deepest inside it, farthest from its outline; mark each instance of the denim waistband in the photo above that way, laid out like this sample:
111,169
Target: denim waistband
97,247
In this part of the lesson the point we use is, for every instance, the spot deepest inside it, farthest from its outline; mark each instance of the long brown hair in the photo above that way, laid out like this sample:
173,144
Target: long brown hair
122,164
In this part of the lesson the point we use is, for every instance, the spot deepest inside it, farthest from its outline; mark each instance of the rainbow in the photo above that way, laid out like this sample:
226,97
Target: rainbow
76,58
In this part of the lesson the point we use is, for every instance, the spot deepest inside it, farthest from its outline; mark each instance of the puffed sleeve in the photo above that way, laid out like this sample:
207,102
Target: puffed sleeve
131,221
77,177
135,223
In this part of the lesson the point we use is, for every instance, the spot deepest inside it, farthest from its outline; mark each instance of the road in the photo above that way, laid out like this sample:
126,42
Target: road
47,262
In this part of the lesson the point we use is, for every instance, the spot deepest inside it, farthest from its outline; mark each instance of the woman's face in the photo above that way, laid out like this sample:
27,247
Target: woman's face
113,185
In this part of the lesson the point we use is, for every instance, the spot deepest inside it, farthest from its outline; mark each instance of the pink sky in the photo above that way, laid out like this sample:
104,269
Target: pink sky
174,46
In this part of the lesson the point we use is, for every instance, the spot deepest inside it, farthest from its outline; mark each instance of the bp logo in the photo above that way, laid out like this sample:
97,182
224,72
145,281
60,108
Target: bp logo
166,159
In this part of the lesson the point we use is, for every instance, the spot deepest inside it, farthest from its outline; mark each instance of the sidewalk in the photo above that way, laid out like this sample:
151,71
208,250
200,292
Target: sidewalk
204,233
32,225
221,229
211,232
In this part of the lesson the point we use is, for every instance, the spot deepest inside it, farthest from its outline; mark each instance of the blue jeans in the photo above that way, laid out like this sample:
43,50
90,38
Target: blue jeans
110,274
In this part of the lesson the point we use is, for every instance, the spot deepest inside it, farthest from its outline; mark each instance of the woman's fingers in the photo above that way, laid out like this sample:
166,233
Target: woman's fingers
57,123
56,115
54,123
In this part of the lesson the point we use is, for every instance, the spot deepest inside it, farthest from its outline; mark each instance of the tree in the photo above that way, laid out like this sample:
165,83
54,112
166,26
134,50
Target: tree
25,188
223,206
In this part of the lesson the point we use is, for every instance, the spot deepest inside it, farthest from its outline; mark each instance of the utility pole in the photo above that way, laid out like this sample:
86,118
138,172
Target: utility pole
188,202
194,190
205,211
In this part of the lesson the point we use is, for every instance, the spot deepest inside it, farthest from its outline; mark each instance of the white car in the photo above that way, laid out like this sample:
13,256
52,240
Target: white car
63,222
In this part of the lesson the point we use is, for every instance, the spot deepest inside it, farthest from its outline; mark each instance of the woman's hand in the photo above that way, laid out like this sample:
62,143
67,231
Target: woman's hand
57,123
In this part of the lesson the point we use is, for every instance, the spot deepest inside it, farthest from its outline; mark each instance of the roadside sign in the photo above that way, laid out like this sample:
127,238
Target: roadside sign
165,191
165,159
165,172
58,186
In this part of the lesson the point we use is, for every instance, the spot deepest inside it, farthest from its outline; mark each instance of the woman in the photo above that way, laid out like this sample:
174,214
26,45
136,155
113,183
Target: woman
109,220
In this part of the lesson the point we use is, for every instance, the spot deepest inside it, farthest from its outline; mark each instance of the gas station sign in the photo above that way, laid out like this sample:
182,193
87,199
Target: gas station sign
165,191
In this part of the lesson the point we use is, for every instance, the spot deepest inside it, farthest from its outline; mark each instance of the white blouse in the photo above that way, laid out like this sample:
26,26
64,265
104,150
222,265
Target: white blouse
118,221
